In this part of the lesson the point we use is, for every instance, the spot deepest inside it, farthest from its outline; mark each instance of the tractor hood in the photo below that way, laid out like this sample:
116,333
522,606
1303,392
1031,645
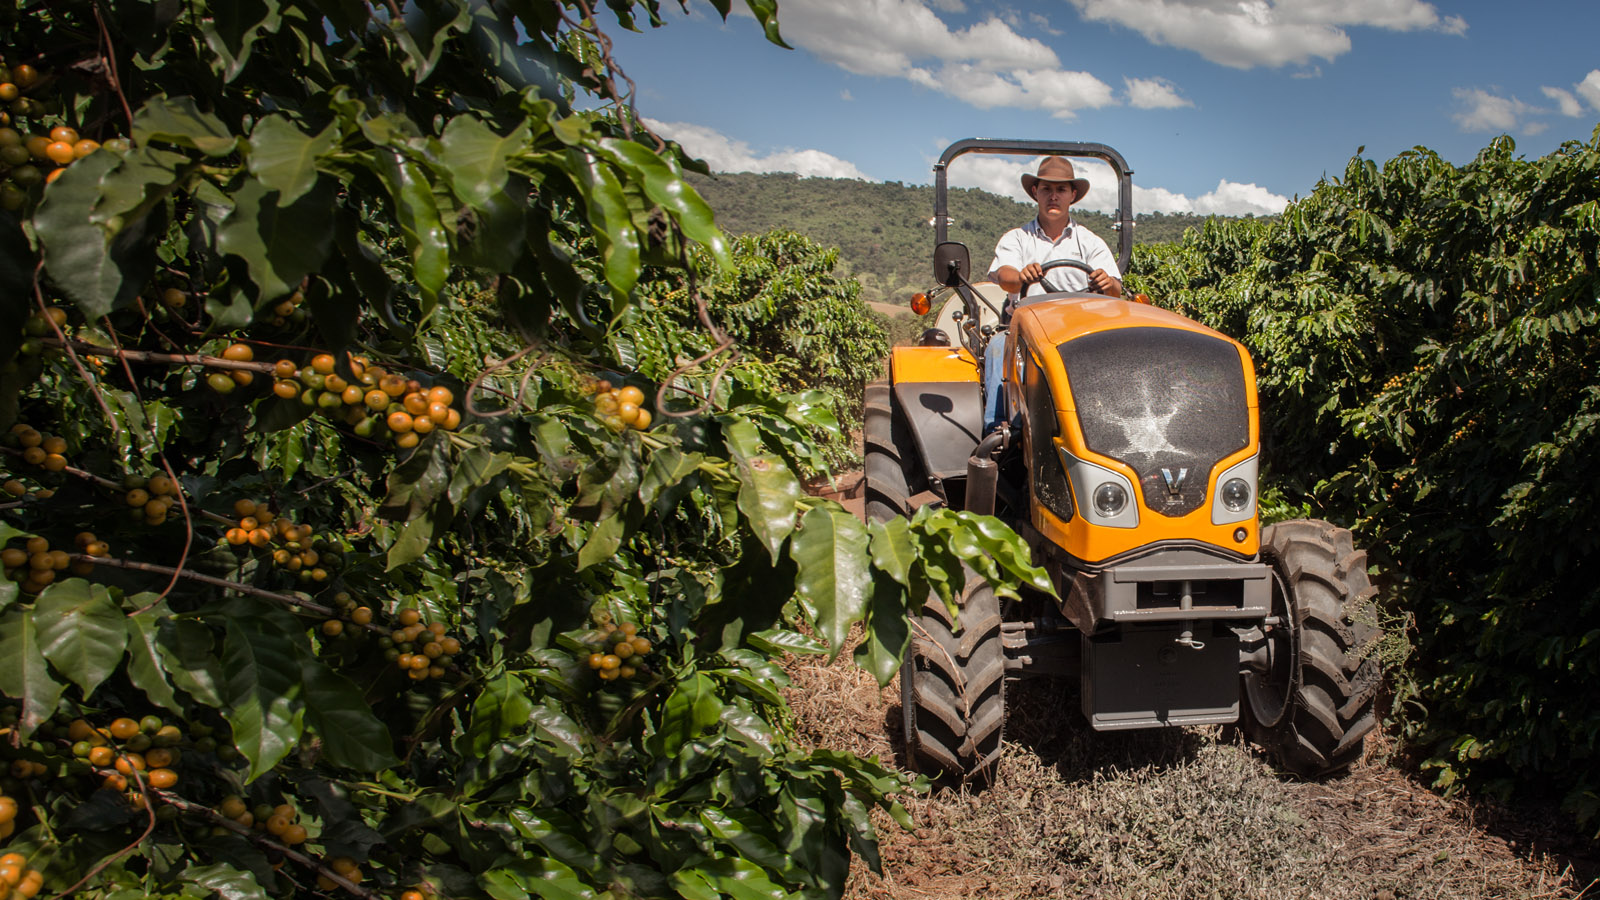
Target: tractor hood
1147,388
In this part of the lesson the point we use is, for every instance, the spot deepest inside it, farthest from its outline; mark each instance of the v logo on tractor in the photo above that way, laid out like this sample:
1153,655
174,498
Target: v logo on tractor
1174,482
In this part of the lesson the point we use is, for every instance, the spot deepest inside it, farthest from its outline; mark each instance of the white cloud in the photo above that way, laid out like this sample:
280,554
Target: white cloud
1565,102
1483,111
1589,89
1003,175
1234,199
988,64
723,154
1247,33
949,6
1153,93
846,96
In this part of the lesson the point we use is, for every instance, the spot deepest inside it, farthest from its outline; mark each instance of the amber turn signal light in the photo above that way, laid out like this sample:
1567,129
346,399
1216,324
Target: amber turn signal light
919,304
1142,298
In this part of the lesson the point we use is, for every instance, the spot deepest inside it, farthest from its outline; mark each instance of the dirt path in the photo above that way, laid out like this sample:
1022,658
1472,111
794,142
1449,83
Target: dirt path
1185,813
1182,813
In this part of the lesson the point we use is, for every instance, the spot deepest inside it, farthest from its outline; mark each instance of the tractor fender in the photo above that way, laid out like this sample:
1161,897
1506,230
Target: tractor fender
945,418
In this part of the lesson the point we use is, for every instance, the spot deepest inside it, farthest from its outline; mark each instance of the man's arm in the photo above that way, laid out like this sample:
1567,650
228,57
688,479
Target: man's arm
1014,280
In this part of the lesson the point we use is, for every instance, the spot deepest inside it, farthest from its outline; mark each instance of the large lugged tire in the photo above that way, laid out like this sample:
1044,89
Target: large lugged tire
1315,707
888,492
952,687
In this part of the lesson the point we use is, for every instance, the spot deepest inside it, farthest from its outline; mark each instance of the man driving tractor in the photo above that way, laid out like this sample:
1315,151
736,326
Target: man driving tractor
1021,251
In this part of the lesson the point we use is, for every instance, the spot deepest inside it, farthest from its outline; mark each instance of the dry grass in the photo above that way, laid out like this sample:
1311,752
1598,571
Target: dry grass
1163,814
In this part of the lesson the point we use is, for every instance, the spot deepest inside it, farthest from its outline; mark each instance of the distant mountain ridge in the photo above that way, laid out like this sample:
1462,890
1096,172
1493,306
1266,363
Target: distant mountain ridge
883,230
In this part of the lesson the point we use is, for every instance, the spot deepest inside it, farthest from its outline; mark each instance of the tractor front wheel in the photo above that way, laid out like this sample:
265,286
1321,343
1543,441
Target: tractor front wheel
1314,707
952,686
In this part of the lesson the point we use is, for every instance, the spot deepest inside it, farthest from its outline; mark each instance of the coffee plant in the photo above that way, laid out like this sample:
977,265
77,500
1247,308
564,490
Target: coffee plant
1427,338
366,531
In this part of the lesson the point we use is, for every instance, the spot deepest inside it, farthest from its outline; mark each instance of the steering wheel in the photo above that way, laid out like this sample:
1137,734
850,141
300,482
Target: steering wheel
1064,263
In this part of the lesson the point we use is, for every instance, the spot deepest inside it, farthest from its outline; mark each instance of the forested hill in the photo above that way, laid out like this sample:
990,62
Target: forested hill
882,229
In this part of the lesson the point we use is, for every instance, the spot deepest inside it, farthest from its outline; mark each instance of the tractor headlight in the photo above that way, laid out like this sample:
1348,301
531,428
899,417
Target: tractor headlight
1105,497
1234,499
1109,499
1236,494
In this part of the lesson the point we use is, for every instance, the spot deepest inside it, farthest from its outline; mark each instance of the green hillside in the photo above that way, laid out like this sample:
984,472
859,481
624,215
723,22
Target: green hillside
882,229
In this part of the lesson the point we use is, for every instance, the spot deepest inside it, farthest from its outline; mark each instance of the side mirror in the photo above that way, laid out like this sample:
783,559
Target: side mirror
951,263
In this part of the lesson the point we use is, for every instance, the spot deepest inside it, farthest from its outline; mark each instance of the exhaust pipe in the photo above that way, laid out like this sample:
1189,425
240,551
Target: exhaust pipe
983,473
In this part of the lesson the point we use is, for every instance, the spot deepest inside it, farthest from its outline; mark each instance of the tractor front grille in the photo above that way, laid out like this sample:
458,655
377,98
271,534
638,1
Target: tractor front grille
1170,403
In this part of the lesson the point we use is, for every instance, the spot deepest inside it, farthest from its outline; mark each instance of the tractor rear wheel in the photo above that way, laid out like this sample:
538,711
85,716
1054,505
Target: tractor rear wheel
1314,708
953,686
888,490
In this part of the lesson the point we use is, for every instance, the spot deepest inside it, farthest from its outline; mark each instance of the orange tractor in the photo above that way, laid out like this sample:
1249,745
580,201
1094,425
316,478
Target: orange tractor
1129,466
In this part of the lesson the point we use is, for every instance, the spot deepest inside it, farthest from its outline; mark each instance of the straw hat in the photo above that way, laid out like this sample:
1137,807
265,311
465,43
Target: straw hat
1054,168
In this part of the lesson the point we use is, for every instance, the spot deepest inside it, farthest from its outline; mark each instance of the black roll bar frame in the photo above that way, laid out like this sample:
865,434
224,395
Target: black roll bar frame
1124,217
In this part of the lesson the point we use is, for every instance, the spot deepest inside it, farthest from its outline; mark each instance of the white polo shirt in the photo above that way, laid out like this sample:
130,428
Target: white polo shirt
1029,244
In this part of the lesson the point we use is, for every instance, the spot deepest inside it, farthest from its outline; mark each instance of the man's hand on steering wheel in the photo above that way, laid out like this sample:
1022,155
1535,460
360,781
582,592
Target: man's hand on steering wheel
1100,281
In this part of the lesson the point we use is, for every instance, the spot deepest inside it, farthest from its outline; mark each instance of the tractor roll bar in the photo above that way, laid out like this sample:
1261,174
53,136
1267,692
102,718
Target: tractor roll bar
1124,217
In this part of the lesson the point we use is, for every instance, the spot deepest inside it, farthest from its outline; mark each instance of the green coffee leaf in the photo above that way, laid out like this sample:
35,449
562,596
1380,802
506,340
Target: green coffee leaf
146,668
281,244
98,268
226,881
830,553
610,220
768,491
888,632
335,709
474,157
284,159
411,194
231,31
502,708
265,699
186,647
692,708
81,631
24,675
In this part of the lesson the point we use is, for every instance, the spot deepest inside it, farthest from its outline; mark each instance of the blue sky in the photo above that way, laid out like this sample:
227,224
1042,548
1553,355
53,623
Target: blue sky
1218,105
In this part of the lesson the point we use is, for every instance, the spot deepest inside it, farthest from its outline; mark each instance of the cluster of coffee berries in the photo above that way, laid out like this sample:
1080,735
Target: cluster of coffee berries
16,879
133,750
293,548
27,768
421,650
378,404
617,651
619,407
150,500
278,821
224,381
39,448
348,610
287,311
35,565
40,325
27,157
347,868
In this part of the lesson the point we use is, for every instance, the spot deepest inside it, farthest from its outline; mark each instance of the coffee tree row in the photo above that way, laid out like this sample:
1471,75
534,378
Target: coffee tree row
265,633
1427,337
